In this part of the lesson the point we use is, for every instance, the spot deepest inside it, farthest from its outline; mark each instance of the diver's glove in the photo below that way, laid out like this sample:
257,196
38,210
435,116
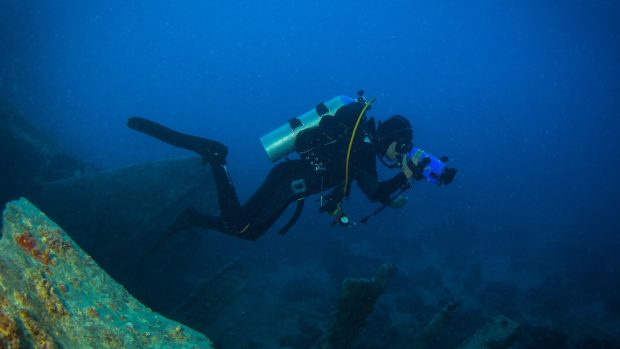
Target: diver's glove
398,202
418,170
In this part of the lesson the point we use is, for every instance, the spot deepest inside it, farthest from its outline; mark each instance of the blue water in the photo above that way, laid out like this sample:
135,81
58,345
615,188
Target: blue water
523,97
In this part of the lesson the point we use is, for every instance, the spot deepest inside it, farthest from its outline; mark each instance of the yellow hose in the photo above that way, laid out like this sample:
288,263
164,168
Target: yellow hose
346,167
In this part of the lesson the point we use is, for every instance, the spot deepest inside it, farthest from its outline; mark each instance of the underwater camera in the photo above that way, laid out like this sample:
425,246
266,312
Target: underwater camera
435,170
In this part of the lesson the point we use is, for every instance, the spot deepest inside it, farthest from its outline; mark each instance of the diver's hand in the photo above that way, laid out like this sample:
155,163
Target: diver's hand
399,202
418,170
405,168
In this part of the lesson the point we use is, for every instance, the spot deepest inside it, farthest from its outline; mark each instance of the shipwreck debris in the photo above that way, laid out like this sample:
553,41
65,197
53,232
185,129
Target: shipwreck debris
499,333
116,215
29,156
357,299
432,331
202,307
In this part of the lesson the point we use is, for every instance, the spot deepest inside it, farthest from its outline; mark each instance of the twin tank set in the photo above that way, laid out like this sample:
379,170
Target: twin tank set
281,141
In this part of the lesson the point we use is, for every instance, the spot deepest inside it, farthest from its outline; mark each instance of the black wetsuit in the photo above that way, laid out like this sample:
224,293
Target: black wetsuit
318,169
314,172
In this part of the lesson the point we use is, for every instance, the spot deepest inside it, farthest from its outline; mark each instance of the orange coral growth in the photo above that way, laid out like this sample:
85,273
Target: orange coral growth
21,297
42,339
92,312
25,241
47,294
177,333
113,306
41,255
28,243
9,334
62,288
55,242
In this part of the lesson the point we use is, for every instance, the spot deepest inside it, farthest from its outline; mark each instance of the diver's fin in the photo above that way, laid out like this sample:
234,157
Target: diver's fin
211,151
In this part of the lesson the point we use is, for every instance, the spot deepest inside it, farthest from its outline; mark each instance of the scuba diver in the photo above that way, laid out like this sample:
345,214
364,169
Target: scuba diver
336,143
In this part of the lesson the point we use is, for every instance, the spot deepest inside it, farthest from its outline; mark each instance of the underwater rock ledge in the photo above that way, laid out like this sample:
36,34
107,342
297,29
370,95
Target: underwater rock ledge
53,295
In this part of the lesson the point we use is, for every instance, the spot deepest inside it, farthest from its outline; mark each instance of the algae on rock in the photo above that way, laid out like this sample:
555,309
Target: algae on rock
53,295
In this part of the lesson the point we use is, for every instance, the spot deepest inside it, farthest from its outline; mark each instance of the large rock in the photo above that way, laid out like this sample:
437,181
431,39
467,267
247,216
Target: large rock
53,295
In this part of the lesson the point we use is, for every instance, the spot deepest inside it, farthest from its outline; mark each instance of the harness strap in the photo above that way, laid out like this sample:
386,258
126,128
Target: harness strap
298,209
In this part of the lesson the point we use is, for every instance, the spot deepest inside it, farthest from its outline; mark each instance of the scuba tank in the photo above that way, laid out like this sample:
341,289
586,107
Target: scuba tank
281,141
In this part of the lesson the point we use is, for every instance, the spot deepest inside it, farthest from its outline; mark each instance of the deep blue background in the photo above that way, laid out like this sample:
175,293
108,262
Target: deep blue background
523,97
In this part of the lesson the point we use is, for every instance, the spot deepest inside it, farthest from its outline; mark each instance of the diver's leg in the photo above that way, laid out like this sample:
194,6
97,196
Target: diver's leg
226,193
228,203
228,222
264,207
185,222
190,218
211,151
276,187
286,183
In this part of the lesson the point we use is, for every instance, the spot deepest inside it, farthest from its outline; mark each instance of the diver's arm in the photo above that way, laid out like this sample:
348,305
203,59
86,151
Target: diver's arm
380,191
367,178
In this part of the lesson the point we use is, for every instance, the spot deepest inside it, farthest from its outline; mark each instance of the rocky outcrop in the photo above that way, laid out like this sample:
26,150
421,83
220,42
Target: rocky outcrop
53,295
